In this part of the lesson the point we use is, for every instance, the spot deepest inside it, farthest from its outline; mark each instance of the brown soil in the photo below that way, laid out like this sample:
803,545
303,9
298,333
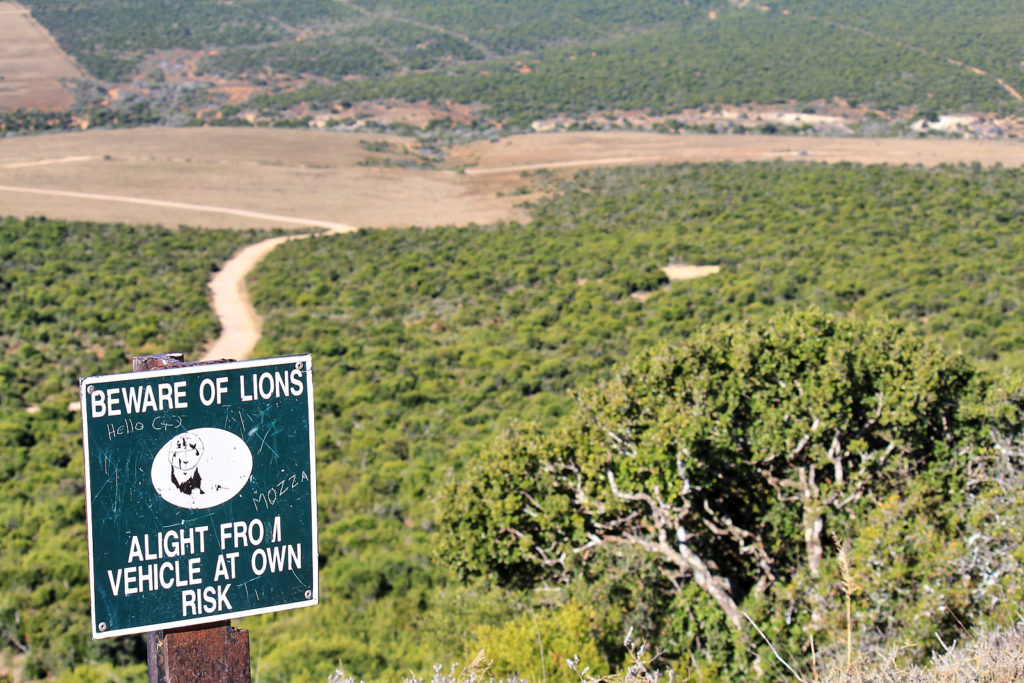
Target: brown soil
219,177
31,64
517,154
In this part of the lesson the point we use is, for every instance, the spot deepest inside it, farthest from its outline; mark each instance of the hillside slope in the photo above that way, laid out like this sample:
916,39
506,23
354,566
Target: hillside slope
516,63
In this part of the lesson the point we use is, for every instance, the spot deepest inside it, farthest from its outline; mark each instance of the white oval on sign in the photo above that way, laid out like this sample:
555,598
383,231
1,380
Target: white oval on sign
201,468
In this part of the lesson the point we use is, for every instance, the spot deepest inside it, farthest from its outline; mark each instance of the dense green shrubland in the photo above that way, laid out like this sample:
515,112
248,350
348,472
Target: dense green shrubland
81,298
429,343
738,59
943,29
109,38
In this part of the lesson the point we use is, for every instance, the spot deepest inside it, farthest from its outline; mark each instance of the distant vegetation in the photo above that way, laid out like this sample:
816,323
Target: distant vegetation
110,37
32,120
738,59
430,343
527,60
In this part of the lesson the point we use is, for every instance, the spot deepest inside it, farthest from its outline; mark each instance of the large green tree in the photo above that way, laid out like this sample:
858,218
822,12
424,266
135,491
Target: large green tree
725,458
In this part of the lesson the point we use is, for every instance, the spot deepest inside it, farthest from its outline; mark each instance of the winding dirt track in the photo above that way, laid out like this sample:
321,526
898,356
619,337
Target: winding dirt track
185,206
240,325
226,178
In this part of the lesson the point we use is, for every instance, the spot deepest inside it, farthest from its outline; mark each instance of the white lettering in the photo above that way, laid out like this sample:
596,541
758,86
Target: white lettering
240,534
98,403
149,402
205,601
206,392
297,385
193,571
241,389
164,391
112,401
179,395
114,583
276,559
188,602
134,550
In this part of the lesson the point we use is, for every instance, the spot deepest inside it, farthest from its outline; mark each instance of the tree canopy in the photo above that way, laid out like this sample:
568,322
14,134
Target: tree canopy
727,459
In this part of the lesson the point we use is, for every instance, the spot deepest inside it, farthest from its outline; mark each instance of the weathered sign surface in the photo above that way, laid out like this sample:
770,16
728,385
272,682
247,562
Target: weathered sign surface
201,493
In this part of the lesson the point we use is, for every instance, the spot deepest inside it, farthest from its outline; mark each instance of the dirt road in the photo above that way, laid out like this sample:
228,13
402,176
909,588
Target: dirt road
240,325
184,206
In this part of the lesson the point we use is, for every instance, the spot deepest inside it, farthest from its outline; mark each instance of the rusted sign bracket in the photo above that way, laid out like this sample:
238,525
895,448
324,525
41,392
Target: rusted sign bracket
208,653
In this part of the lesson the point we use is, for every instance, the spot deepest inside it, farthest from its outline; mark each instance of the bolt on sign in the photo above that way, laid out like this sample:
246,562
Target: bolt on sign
201,493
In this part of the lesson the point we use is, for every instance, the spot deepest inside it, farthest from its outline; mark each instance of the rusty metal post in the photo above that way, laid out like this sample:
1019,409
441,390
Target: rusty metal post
214,653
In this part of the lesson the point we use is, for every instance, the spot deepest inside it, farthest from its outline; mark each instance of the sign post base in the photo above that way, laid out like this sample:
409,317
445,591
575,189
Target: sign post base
214,653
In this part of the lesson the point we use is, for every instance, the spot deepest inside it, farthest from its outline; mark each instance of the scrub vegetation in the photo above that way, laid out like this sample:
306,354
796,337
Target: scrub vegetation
492,399
530,440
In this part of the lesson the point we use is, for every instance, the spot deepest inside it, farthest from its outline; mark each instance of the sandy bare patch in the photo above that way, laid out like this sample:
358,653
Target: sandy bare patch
682,271
31,63
675,271
945,123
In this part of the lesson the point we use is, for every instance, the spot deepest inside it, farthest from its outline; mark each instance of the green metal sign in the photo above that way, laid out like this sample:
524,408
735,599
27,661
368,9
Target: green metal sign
201,493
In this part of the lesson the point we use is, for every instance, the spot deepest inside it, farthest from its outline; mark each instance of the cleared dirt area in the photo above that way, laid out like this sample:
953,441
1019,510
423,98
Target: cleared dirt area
231,178
31,64
683,271
238,177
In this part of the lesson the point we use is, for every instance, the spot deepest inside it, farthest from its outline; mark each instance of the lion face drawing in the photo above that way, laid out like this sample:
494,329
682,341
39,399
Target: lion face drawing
201,468
185,455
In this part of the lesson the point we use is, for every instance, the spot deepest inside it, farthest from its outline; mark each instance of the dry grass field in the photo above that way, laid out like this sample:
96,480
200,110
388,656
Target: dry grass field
300,177
31,64
577,150
235,177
